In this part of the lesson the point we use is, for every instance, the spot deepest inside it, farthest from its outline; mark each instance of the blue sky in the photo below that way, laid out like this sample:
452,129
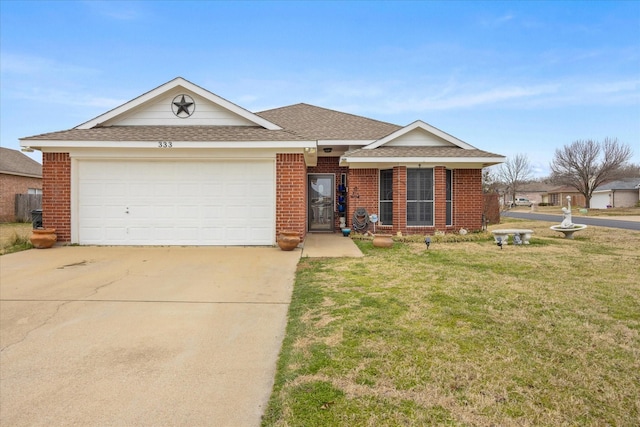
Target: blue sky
506,77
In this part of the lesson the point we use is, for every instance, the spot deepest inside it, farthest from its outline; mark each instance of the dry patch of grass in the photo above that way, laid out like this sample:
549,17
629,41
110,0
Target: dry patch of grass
14,237
466,334
576,210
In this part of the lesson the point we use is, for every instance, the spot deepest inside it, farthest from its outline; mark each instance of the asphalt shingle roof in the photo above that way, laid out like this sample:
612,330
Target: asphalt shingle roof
622,184
300,122
13,162
319,123
174,133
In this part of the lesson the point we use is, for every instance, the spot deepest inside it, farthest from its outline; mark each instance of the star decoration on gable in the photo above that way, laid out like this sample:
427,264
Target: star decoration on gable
181,105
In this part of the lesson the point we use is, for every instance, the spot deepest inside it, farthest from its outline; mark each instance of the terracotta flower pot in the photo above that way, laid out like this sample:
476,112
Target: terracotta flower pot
288,240
42,238
382,241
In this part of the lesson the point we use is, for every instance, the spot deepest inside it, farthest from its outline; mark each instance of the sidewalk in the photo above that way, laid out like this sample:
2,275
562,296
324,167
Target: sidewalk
329,245
634,218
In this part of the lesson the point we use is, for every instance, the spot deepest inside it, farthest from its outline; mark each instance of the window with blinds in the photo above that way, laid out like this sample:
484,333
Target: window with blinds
386,196
420,197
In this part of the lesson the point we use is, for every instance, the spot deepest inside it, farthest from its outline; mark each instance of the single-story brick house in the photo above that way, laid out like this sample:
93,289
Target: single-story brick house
180,165
623,193
558,197
19,174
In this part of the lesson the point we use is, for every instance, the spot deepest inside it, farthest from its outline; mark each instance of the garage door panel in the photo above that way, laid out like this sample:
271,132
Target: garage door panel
179,203
212,190
213,213
188,211
260,211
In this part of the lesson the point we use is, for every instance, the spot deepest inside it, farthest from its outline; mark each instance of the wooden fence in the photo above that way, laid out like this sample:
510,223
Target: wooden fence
25,203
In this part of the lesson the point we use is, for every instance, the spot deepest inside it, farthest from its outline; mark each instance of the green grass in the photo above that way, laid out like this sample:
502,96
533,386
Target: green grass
466,334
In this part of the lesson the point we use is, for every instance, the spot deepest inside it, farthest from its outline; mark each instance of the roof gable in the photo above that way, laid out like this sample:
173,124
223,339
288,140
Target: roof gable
419,134
159,107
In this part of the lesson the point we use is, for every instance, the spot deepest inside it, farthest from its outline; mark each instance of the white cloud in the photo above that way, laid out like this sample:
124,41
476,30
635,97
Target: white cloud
68,98
496,21
628,86
21,64
117,10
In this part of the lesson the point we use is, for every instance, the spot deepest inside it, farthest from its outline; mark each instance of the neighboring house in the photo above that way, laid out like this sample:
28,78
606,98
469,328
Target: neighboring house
19,174
558,197
617,194
180,165
534,191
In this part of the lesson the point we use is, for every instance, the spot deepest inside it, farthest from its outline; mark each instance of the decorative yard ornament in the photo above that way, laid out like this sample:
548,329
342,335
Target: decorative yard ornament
427,241
181,104
516,239
567,227
566,214
373,218
360,220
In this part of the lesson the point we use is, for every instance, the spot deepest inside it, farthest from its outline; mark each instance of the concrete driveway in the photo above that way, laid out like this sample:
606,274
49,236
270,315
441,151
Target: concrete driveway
153,336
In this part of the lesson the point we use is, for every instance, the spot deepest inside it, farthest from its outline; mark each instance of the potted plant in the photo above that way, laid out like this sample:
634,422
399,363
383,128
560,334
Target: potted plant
43,238
288,240
382,240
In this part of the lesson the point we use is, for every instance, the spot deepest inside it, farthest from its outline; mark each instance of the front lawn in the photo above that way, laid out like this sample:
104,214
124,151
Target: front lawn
466,334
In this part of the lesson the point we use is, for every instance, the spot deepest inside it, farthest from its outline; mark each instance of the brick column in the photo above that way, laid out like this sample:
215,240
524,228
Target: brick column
400,199
291,193
440,197
56,194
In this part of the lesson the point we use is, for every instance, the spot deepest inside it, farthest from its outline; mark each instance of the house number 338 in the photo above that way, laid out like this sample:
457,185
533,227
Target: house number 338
165,144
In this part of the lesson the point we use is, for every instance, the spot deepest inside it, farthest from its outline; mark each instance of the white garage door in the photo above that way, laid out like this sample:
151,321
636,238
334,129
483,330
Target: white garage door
600,200
176,202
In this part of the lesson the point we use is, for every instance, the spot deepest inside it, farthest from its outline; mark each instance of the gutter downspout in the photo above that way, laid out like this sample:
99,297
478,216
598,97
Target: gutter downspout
613,198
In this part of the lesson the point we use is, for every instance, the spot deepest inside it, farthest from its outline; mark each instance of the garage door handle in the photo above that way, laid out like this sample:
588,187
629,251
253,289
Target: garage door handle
127,211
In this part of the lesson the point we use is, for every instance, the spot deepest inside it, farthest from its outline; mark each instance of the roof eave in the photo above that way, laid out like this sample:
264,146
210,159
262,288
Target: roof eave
26,175
46,144
345,142
475,161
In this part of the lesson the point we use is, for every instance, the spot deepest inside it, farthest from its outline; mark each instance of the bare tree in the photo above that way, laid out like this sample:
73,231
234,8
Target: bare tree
587,164
630,170
490,182
514,172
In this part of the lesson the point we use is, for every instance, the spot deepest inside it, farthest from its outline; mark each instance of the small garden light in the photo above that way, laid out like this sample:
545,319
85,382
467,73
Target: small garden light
427,241
499,241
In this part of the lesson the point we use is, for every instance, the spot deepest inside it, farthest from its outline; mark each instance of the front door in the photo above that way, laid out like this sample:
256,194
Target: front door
321,202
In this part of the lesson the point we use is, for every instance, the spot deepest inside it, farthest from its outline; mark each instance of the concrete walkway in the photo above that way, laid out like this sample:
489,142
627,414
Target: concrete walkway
329,245
146,336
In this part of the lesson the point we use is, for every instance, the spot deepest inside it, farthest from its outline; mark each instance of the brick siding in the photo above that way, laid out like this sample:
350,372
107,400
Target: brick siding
399,200
468,199
11,185
56,194
291,193
363,191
